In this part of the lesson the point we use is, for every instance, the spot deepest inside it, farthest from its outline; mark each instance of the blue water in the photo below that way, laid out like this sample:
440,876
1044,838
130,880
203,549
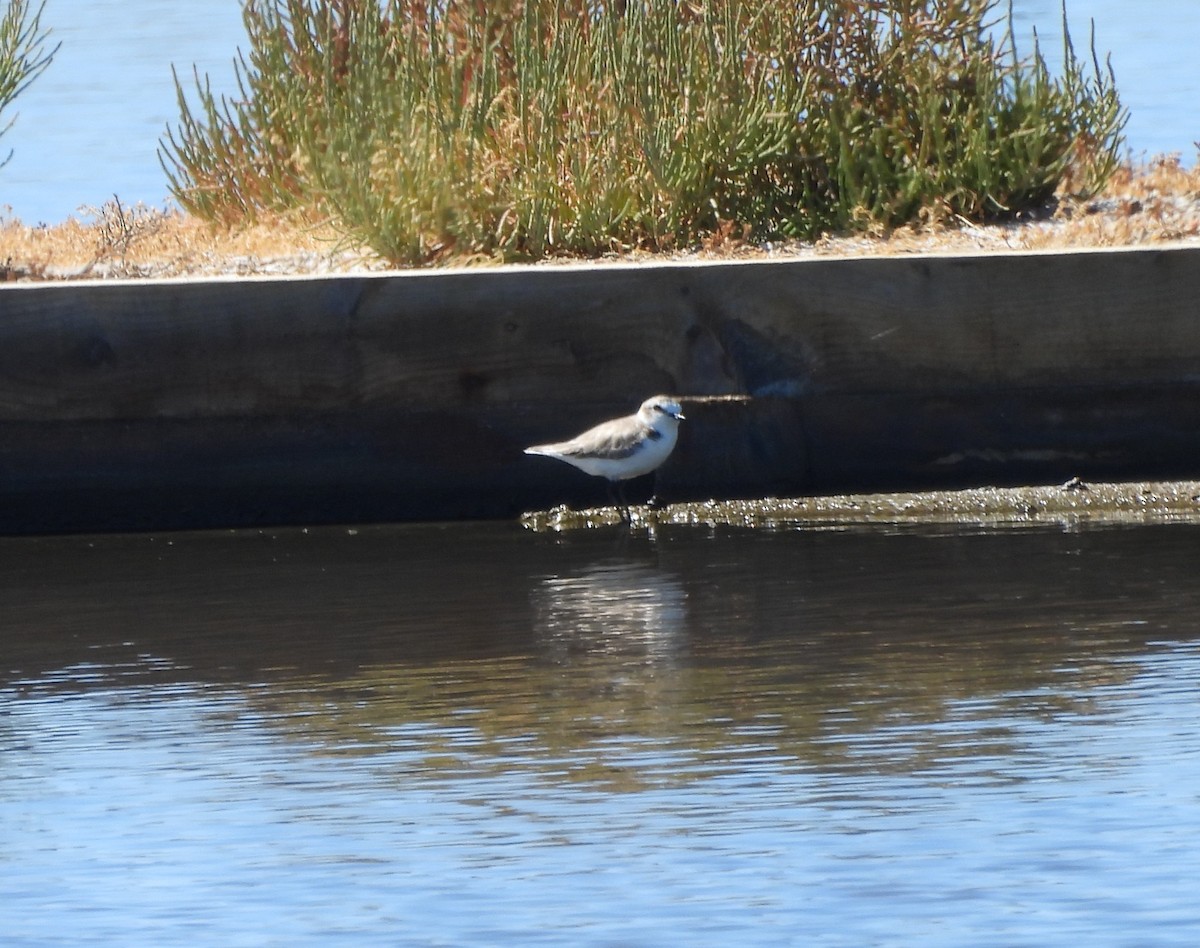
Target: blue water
471,735
89,127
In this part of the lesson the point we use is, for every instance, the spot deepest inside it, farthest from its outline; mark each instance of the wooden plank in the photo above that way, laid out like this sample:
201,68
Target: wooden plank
816,374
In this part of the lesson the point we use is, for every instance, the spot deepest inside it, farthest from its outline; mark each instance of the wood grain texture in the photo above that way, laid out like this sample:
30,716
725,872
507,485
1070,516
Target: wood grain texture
872,372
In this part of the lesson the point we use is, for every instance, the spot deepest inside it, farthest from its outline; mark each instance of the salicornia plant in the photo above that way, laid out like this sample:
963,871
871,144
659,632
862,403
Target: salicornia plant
524,128
23,54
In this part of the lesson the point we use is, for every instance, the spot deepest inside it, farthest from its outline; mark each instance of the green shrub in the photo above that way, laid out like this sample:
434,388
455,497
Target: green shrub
522,129
23,55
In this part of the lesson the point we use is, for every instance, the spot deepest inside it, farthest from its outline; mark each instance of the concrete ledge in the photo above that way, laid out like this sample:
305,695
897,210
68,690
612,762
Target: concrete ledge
178,404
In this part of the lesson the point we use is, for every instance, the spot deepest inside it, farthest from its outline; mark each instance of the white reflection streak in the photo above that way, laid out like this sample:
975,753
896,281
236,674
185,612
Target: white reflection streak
611,607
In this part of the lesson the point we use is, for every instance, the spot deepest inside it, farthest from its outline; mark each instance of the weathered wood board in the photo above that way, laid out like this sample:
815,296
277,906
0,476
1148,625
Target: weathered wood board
153,405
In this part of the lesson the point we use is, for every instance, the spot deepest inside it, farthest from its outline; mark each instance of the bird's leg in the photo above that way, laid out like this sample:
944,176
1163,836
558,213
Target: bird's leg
655,502
616,493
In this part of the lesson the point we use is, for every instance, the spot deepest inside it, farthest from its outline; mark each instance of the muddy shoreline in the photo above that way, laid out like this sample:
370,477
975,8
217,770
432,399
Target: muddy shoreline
1073,502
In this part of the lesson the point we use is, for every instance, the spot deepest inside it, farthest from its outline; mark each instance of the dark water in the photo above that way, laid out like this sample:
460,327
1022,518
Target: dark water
476,735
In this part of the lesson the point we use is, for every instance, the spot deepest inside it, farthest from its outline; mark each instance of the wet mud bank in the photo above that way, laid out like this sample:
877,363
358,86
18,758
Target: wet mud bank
1074,502
399,397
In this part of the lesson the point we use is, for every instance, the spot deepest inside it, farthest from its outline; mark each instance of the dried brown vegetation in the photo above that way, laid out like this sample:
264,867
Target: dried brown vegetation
1155,202
120,241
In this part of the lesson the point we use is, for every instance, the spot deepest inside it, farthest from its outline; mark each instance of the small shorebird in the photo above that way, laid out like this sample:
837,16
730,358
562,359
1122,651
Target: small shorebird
623,448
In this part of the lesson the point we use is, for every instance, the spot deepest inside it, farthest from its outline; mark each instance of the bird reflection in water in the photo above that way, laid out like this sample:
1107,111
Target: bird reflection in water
628,613
614,634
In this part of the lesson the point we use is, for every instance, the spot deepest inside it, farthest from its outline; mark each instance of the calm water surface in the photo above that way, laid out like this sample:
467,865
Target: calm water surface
89,127
476,735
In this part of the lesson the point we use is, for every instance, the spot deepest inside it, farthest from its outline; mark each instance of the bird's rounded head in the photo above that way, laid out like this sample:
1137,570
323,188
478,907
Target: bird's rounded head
660,407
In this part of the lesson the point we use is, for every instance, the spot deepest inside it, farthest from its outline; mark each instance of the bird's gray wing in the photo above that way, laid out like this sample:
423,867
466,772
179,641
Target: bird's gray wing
613,440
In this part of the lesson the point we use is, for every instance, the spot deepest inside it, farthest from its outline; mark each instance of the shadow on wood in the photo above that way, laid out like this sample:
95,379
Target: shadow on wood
182,404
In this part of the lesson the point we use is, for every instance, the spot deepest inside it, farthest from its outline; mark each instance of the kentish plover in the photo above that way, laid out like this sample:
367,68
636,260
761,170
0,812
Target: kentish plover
625,447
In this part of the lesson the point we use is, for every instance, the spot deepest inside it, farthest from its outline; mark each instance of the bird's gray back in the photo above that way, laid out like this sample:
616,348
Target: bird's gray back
612,440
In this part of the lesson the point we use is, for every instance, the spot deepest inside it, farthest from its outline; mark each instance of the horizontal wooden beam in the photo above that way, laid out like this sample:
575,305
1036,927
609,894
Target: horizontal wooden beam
190,403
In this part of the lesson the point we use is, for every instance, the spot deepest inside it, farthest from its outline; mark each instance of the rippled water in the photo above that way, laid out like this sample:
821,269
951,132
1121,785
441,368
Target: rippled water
89,127
475,735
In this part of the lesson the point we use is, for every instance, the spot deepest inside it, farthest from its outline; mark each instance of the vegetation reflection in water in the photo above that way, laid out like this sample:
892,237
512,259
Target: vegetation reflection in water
614,695
483,735
637,661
